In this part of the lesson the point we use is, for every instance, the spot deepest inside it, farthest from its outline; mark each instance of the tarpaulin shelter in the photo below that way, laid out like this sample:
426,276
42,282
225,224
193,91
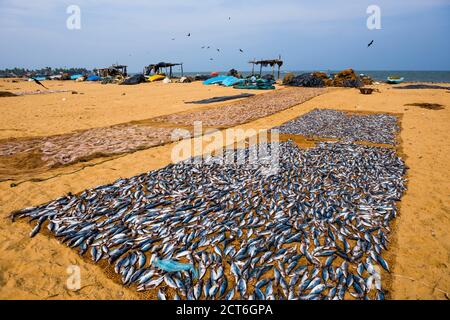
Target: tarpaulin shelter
114,70
156,68
264,63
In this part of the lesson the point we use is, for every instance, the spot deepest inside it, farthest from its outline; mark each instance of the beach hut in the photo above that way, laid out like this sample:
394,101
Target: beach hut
167,66
113,71
264,63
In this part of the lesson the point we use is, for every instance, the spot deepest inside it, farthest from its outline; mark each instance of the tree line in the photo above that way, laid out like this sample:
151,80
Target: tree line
48,71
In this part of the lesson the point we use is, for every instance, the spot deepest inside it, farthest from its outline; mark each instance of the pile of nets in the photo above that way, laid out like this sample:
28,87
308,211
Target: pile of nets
305,80
136,79
234,73
345,78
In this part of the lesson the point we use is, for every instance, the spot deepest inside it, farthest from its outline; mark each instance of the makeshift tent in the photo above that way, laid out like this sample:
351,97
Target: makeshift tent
157,68
114,70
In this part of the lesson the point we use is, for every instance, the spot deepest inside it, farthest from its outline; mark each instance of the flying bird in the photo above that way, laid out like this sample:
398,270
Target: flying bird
173,39
39,83
211,59
203,47
241,50
229,18
218,50
189,34
208,47
371,42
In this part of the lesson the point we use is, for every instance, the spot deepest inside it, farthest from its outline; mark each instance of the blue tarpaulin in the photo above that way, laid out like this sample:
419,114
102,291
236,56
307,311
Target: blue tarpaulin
174,266
75,76
94,78
38,78
215,80
231,81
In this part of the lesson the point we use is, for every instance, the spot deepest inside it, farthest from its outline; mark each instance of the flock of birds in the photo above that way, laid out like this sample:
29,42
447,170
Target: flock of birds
209,47
173,39
240,50
317,228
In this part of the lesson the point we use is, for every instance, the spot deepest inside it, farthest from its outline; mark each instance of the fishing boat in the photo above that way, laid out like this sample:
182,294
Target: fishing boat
156,77
395,79
38,78
75,76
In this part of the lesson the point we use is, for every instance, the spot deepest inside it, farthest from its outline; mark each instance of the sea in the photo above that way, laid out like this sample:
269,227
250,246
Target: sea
410,76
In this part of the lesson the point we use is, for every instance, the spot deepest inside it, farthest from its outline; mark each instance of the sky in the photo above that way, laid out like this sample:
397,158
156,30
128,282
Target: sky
309,35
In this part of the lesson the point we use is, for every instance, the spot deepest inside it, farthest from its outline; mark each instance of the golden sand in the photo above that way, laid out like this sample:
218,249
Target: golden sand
36,268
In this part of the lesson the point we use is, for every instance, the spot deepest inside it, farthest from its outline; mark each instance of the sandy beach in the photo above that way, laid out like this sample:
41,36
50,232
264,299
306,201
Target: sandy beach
36,268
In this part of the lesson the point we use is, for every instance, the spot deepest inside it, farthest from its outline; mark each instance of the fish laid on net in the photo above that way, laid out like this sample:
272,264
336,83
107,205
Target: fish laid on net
316,229
328,123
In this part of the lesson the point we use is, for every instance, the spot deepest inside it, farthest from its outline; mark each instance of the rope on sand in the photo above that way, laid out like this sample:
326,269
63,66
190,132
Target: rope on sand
25,93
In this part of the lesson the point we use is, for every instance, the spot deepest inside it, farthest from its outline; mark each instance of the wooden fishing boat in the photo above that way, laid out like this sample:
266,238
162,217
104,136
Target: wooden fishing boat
395,79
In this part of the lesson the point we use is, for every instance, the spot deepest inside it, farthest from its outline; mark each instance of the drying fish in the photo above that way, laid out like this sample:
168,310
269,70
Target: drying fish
315,229
375,128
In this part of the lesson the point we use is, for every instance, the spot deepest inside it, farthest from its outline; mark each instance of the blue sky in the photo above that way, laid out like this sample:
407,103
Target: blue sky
309,35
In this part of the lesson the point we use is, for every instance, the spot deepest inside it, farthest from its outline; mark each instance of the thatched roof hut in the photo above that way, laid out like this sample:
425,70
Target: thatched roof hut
269,62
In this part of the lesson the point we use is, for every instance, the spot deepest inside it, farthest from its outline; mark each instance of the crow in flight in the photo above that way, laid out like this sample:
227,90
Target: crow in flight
241,50
189,34
371,42
39,83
